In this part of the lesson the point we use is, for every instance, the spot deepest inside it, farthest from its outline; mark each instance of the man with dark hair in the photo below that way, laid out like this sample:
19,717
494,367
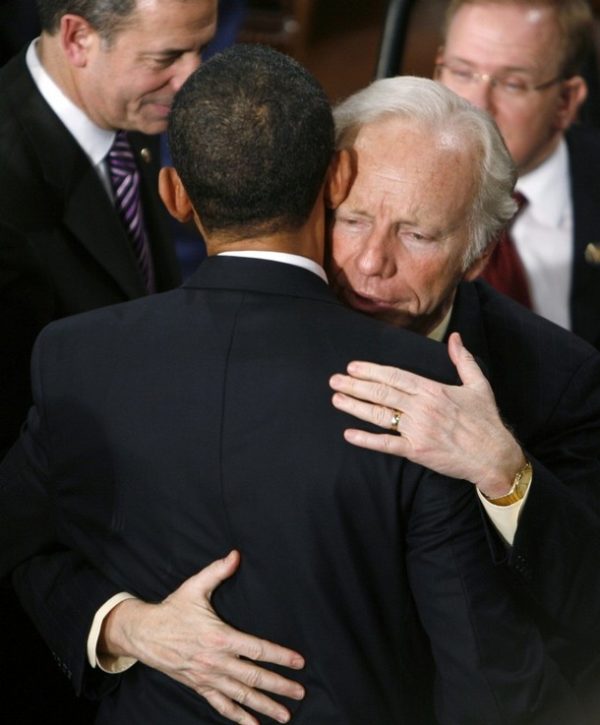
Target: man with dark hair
150,450
81,224
521,61
73,237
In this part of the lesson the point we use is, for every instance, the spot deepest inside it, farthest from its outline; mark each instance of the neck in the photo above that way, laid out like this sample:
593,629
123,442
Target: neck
307,241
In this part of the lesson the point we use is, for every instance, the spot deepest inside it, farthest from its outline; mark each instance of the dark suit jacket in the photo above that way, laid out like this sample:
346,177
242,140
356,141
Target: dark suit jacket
584,160
63,248
547,385
227,439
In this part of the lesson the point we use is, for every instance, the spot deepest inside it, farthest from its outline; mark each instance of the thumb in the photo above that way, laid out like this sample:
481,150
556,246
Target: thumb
468,370
209,578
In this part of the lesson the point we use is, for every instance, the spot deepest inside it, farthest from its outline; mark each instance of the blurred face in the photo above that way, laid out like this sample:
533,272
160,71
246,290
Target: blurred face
400,236
519,45
130,84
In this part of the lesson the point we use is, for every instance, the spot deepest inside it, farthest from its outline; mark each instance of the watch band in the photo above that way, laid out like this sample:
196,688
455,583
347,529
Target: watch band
519,487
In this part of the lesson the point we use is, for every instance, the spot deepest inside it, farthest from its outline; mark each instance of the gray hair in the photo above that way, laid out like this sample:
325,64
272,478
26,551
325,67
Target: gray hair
427,103
107,17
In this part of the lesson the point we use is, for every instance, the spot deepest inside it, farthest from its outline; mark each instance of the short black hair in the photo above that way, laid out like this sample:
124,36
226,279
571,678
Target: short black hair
251,136
107,17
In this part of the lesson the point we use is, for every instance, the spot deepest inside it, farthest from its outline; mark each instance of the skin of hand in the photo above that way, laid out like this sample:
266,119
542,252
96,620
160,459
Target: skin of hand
455,430
183,637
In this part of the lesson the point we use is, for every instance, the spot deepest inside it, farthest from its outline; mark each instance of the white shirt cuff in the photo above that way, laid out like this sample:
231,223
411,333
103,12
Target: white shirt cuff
107,663
505,518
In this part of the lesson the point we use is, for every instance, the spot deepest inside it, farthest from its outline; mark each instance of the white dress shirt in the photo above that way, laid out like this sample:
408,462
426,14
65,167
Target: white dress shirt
543,236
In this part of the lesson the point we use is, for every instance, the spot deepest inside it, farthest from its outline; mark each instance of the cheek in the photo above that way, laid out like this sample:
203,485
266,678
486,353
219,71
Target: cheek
423,280
341,250
517,125
430,278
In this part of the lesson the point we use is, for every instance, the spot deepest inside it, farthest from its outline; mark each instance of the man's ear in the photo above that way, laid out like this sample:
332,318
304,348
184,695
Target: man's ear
77,38
339,179
573,93
439,58
478,265
174,195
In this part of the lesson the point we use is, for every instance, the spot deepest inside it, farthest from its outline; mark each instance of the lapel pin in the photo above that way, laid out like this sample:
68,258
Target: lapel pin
592,253
146,155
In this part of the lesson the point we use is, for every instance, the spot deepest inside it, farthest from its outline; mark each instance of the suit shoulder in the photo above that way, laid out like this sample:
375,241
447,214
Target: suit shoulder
114,323
506,319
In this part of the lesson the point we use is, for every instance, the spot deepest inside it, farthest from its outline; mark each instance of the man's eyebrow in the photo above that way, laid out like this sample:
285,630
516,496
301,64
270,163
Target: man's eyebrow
355,211
503,69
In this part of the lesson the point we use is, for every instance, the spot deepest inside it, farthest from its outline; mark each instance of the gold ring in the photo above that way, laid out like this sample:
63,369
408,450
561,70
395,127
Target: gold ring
395,420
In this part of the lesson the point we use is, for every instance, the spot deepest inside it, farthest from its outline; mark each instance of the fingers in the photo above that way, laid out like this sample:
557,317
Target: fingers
370,402
229,709
209,578
229,696
240,680
468,370
382,442
225,680
400,380
261,650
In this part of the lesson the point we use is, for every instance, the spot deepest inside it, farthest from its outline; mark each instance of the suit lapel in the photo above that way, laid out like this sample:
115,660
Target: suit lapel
467,319
98,229
87,211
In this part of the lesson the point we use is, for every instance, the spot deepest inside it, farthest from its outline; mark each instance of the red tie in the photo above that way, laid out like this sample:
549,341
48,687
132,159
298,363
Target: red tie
505,271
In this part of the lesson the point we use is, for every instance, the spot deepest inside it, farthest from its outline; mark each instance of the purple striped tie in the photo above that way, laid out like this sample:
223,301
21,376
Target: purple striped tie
125,182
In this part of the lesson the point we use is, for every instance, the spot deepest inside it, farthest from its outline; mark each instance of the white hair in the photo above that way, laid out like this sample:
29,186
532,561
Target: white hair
426,103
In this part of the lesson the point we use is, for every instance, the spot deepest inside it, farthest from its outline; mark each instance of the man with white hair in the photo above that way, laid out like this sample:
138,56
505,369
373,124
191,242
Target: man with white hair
407,241
430,185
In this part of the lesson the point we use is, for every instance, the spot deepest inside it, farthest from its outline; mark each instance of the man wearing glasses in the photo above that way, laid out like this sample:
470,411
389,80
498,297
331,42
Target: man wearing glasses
521,61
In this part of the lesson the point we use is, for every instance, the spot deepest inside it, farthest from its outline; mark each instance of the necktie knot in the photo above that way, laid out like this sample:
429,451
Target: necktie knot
521,201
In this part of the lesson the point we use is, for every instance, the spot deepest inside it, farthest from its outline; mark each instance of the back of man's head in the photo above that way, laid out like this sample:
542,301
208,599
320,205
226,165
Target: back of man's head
107,17
575,24
251,136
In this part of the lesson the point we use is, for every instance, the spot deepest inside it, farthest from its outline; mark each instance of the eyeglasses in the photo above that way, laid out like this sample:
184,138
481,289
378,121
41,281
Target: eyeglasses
507,84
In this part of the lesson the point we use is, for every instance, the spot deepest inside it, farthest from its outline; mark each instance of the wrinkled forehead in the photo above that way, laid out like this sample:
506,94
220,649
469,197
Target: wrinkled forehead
413,144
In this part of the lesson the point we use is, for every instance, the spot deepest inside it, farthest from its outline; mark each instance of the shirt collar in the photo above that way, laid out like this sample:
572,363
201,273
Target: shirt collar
294,259
95,141
439,333
547,188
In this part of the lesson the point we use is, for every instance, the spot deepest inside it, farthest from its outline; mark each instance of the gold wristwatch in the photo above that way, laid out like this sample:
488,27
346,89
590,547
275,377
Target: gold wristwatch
518,489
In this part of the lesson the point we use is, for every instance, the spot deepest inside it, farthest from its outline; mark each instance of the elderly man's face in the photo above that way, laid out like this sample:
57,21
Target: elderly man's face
400,237
520,45
131,83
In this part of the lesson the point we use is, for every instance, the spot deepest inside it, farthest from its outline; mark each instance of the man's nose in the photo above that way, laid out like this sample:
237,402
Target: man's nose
375,257
480,94
183,69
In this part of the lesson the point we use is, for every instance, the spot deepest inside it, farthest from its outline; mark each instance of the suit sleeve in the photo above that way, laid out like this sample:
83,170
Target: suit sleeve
61,594
26,305
57,589
556,552
27,520
491,664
